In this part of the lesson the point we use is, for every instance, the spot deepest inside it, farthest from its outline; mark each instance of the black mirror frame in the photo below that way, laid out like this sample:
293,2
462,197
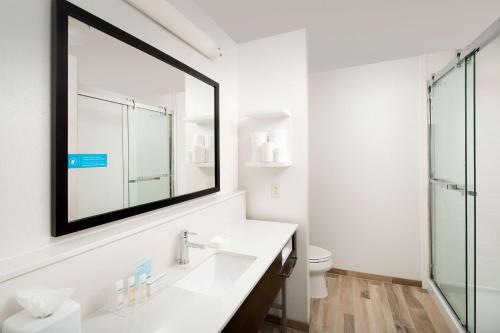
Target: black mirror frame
60,224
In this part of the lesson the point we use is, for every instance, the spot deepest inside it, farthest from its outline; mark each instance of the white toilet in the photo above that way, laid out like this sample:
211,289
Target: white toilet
320,261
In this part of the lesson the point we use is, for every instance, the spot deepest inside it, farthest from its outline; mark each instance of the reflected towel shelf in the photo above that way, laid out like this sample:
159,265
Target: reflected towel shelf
202,165
270,113
200,120
268,165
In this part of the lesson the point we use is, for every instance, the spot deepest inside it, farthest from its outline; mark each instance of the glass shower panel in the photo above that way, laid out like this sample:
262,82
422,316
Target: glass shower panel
471,190
149,170
447,126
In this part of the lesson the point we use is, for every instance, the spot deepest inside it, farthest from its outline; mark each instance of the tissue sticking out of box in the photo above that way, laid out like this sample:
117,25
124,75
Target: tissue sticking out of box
42,302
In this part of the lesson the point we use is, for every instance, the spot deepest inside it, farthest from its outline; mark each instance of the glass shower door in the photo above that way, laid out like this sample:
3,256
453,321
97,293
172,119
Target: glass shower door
451,175
149,151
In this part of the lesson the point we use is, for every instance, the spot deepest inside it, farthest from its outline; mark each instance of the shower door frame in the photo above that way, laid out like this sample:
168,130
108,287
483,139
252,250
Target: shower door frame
462,56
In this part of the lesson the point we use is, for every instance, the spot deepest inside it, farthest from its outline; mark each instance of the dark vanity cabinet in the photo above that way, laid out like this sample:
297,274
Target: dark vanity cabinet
255,308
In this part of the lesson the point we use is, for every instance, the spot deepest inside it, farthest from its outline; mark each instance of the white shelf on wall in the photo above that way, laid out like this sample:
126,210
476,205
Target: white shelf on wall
200,120
268,165
203,165
269,113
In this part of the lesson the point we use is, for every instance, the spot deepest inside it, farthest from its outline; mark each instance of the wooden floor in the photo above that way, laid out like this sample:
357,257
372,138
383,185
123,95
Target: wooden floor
271,328
363,306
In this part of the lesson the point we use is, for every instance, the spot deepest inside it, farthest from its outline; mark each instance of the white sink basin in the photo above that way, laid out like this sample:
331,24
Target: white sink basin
216,274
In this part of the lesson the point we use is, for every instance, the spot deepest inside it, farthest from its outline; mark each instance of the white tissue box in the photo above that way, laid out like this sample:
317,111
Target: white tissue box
67,319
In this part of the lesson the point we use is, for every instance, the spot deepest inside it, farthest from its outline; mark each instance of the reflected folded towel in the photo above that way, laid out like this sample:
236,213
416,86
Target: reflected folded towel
199,154
199,140
210,152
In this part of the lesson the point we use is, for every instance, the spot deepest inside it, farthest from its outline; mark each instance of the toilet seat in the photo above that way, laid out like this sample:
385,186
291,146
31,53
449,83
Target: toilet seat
319,262
318,255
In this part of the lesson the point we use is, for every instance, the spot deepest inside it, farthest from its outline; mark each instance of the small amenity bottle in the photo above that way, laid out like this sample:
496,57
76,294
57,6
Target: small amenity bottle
120,293
143,288
131,290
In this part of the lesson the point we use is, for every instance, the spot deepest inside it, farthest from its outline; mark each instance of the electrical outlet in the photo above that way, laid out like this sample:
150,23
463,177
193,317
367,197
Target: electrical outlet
275,190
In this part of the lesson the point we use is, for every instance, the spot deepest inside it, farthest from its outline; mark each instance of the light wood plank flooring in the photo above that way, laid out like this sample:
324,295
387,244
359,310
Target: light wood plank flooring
365,306
271,328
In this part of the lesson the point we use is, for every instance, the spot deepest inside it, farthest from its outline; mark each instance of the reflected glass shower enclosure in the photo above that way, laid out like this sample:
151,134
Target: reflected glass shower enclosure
138,142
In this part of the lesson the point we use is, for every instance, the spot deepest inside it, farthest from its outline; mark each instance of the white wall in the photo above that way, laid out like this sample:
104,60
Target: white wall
273,74
25,147
25,100
368,172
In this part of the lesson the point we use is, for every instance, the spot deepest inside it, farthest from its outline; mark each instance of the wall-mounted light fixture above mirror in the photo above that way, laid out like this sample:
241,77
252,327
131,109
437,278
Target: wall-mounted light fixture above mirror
133,128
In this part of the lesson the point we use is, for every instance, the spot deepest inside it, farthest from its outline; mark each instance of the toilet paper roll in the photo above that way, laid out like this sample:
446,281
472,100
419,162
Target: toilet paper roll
199,140
267,152
199,154
257,139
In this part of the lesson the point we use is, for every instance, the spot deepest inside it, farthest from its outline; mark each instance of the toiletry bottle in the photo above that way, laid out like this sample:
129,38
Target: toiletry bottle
131,290
120,291
143,287
149,284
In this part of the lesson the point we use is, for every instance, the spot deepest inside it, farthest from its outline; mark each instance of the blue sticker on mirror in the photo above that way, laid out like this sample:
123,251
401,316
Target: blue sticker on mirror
76,161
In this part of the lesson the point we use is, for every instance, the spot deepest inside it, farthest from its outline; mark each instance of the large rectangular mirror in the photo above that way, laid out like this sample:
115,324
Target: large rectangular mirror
133,128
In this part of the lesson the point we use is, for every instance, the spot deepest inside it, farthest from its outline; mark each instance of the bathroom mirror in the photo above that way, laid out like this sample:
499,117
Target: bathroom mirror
133,129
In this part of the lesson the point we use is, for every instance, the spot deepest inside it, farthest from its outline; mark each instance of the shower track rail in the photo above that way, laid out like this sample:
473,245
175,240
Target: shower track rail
480,42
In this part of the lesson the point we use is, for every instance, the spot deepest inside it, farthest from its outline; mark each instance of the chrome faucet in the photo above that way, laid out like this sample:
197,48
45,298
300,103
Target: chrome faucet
184,245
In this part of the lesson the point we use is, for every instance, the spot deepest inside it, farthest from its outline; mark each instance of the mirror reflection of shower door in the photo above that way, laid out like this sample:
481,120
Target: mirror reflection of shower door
451,187
149,151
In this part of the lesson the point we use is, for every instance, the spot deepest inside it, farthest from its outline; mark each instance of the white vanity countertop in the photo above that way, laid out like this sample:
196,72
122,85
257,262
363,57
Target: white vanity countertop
176,310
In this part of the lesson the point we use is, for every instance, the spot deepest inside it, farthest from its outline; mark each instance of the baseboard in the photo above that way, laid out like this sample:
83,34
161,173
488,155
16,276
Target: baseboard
376,277
296,325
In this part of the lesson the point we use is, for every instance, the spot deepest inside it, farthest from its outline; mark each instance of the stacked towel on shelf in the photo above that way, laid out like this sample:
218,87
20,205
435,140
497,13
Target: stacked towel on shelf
210,148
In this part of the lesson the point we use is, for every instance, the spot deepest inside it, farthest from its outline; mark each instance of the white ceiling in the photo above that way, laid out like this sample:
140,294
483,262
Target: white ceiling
344,33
